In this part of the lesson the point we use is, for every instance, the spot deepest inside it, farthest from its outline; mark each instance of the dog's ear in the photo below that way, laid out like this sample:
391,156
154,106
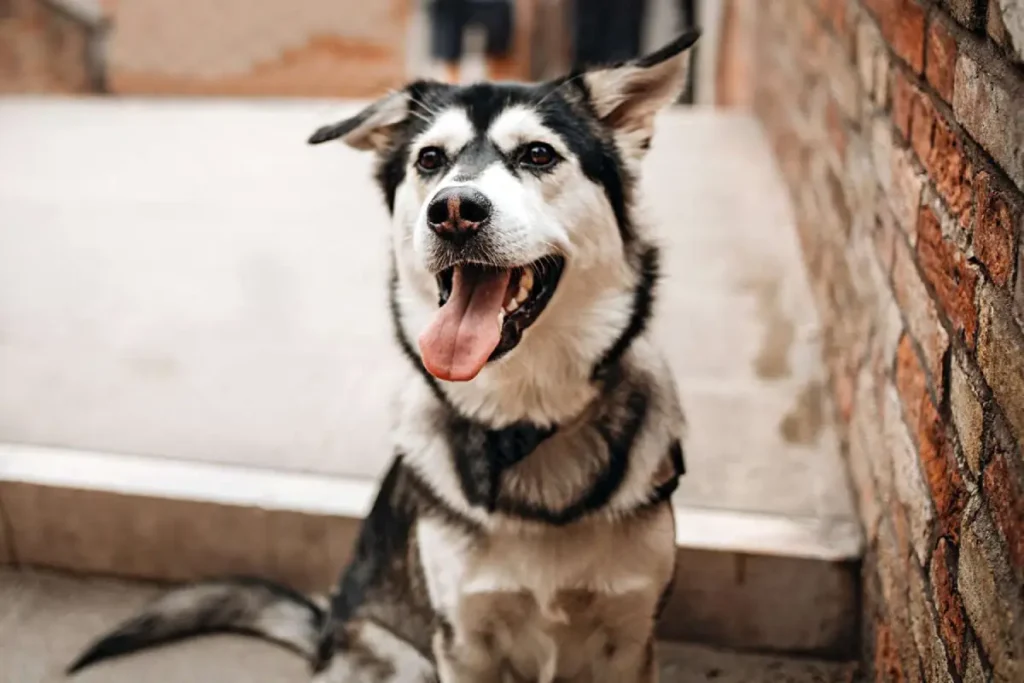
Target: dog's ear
370,129
627,96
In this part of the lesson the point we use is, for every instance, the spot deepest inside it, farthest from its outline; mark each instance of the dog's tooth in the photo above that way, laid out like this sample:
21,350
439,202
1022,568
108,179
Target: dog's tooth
512,305
526,281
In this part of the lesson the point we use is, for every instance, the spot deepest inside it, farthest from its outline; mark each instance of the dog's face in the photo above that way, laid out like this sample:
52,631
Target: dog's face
512,209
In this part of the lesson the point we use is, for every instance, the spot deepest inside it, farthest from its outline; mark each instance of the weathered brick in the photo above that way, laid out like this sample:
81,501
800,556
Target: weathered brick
882,150
926,634
968,415
995,27
834,12
922,126
887,665
950,169
885,236
866,458
906,192
842,80
1018,293
836,128
1003,485
987,107
920,310
948,602
991,596
911,381
949,493
893,553
1001,356
940,66
873,62
907,478
903,95
1006,26
968,12
995,229
905,30
945,267
974,668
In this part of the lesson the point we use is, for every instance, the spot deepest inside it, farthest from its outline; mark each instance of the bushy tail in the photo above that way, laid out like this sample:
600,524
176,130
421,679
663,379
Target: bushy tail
241,605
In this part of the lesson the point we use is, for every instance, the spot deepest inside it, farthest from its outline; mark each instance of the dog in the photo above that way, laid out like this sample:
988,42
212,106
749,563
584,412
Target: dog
524,530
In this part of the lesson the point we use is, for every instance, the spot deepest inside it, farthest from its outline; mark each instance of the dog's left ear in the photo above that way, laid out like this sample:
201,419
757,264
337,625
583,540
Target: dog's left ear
626,97
370,129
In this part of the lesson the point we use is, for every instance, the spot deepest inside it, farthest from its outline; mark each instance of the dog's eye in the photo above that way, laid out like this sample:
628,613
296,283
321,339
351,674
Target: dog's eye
538,155
430,159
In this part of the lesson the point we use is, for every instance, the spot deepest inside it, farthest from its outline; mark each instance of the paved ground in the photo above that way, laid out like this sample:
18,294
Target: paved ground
190,280
45,619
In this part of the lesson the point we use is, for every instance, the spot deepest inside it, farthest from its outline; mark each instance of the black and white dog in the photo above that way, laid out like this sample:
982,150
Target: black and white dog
524,530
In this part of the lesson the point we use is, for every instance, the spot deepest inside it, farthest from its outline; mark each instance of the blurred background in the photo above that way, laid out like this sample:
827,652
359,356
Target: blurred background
196,357
324,48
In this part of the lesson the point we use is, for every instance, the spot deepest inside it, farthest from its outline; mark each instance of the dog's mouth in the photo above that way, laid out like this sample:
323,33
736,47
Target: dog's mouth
483,312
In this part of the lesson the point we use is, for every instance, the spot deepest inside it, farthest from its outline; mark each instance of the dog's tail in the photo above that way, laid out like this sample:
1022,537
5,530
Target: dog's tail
245,606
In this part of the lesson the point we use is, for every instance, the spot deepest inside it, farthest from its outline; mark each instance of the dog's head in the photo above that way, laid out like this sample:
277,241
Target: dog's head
516,244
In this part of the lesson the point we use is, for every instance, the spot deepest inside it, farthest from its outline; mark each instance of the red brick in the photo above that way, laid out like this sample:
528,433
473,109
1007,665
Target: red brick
911,382
944,481
903,95
881,8
907,32
948,602
1004,490
945,267
922,126
887,666
920,310
834,12
950,169
836,128
994,230
941,61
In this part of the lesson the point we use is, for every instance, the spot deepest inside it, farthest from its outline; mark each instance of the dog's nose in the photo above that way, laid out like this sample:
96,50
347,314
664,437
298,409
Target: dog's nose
457,213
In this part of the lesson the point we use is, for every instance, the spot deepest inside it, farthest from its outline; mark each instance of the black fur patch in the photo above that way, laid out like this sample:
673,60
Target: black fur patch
482,454
230,605
403,342
481,457
664,491
643,306
619,439
377,584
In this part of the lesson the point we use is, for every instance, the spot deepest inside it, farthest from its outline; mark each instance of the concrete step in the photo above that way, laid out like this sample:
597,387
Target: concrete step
197,359
46,619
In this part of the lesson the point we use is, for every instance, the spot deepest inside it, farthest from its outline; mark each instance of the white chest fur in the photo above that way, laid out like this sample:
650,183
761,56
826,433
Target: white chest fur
549,602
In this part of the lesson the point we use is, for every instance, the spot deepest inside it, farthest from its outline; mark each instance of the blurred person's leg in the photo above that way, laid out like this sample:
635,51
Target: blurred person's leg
625,29
589,28
497,19
447,26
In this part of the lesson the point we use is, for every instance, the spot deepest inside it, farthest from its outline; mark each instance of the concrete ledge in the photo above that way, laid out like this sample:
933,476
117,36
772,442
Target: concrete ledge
747,581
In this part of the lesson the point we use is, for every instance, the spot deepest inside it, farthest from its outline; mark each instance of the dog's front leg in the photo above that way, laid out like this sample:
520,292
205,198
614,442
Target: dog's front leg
464,660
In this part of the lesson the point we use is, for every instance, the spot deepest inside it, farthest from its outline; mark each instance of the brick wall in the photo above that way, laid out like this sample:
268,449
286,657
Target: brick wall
45,48
899,127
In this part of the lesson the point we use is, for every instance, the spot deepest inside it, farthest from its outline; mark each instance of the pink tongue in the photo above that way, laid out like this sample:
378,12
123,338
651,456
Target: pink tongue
465,331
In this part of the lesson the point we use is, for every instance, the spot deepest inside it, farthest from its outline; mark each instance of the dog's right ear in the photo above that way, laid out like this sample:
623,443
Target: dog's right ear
370,129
